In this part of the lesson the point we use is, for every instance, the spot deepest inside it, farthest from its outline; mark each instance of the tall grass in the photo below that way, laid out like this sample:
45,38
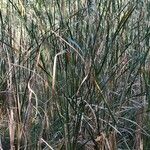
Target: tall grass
74,74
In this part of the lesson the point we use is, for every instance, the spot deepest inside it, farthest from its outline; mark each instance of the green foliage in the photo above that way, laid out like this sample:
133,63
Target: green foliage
75,74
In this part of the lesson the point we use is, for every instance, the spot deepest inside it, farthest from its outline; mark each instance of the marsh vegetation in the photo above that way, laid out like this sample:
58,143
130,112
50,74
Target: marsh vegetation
74,74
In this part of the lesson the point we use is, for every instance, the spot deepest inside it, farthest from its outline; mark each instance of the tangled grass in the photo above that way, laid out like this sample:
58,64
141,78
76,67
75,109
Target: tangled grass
74,74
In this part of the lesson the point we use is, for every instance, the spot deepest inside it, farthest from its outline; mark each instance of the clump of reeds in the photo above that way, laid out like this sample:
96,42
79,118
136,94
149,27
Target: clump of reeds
74,74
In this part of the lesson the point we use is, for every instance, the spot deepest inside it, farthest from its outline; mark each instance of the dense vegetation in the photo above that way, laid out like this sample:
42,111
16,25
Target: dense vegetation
74,74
